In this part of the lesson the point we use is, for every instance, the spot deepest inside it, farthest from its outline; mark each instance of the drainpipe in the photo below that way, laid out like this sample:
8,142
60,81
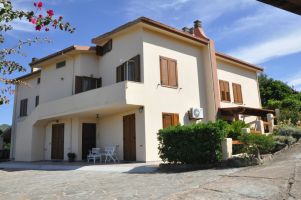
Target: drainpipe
212,78
13,130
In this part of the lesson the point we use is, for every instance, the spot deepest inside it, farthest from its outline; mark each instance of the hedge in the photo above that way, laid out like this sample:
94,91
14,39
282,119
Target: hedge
192,144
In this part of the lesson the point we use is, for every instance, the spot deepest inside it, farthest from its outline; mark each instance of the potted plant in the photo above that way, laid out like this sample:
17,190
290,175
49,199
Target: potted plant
71,157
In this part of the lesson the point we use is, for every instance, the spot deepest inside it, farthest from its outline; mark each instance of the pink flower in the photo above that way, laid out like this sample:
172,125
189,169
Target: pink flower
35,4
60,18
33,20
40,4
50,13
40,16
46,29
38,28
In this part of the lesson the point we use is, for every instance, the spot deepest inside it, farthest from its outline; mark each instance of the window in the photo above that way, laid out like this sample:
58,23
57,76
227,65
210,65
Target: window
237,93
102,50
61,64
39,80
23,107
130,70
170,119
224,91
168,72
83,83
37,101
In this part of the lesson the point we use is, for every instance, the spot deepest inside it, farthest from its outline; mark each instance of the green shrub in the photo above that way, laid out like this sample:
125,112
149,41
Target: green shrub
258,144
192,144
288,140
290,131
235,129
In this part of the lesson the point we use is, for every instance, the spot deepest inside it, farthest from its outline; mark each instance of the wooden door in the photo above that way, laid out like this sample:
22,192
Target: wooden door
129,138
88,139
57,142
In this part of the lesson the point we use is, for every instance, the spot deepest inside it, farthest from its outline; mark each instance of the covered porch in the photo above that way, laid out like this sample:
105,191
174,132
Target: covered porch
78,133
260,120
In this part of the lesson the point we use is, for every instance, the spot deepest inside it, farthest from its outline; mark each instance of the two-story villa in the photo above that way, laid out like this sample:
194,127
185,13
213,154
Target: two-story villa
138,78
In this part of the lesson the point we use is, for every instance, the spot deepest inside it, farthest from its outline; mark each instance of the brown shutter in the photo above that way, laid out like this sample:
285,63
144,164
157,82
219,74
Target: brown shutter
227,91
240,94
172,73
237,93
164,71
167,120
119,73
78,84
137,68
176,119
98,82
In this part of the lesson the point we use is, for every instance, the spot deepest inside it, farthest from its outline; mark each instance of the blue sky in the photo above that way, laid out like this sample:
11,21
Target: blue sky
247,29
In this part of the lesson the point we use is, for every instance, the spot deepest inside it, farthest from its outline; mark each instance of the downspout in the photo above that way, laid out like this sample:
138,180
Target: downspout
13,131
212,78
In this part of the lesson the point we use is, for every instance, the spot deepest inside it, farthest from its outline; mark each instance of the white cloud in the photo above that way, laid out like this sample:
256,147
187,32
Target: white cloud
275,47
295,81
184,9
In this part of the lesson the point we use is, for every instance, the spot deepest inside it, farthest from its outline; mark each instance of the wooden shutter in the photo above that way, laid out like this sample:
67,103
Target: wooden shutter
119,73
23,107
170,119
175,120
164,71
102,50
237,93
78,84
224,90
167,120
172,73
37,101
227,90
98,82
137,77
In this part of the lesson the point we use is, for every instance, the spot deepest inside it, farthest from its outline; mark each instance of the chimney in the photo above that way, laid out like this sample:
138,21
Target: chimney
185,29
191,31
34,59
198,30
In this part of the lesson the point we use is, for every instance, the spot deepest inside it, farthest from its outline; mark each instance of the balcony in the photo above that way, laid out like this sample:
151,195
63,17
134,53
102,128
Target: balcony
106,100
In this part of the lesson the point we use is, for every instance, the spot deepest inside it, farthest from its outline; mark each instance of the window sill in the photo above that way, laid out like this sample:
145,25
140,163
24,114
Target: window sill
168,86
226,101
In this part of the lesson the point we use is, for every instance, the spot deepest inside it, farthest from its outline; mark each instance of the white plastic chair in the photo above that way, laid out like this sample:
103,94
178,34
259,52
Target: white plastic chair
94,154
110,152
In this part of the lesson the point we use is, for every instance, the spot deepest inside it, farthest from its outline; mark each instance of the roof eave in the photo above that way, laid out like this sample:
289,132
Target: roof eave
64,51
151,23
238,61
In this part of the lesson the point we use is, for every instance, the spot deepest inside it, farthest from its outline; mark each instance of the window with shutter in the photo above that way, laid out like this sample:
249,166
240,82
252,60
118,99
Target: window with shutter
168,72
23,107
237,93
37,101
224,91
170,119
130,70
83,83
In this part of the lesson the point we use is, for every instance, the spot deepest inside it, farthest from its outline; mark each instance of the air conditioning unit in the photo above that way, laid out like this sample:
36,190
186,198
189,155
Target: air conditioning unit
196,113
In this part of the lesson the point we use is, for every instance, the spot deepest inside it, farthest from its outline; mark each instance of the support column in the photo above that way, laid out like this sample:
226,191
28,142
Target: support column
270,118
227,148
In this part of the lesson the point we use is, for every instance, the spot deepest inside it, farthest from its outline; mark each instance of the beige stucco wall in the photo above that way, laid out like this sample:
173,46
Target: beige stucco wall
28,91
249,86
159,99
109,131
246,78
125,47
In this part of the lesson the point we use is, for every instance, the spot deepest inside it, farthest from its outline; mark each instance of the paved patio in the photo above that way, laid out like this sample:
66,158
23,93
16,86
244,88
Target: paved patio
279,179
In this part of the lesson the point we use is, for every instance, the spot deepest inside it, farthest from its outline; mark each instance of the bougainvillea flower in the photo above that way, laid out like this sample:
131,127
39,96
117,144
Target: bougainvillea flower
33,20
50,13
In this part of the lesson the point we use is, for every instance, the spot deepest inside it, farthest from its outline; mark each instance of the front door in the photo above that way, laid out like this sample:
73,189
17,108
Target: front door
57,142
129,138
88,139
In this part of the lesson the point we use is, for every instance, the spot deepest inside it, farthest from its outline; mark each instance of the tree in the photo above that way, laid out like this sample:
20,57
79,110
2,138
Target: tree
42,20
271,89
277,94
